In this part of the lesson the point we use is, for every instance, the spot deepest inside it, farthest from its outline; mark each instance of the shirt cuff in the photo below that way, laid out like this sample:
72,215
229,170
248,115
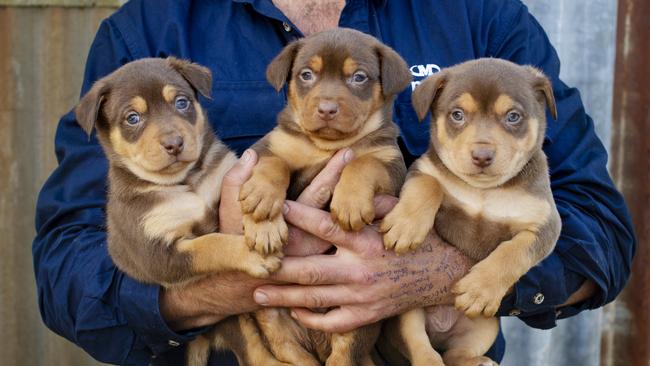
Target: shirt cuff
536,296
139,303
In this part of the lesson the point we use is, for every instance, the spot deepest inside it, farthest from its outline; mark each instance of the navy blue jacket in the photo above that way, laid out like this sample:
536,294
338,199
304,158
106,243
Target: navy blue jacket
83,297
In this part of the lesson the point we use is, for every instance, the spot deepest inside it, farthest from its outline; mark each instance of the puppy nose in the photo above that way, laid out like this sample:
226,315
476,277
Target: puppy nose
328,109
172,144
482,156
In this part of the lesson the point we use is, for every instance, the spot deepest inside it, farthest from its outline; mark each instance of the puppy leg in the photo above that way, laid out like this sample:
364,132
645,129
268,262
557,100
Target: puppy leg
221,252
470,340
241,335
354,348
284,337
411,220
262,198
353,199
412,328
480,292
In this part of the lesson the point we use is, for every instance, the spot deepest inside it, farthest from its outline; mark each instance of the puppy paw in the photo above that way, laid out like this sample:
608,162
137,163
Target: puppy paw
479,293
266,236
402,232
352,211
261,199
261,266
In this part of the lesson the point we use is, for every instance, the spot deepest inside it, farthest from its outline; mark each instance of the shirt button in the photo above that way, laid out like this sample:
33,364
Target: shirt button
514,312
173,343
538,298
286,26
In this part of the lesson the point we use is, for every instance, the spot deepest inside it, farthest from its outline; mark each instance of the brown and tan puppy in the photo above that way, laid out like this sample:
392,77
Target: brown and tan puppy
341,88
484,186
165,173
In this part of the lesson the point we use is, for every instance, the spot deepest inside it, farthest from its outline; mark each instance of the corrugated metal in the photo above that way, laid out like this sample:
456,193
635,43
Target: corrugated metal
42,53
626,341
583,33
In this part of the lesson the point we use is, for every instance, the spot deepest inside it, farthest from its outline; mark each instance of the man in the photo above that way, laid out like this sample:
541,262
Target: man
118,320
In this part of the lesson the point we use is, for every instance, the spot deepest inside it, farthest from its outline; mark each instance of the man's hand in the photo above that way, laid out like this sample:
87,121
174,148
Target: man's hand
213,298
362,282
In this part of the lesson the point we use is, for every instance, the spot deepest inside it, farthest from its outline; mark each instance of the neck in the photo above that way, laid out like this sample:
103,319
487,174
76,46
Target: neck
312,16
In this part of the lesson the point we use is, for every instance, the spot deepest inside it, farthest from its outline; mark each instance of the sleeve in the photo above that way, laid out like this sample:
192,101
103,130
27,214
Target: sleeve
82,296
597,240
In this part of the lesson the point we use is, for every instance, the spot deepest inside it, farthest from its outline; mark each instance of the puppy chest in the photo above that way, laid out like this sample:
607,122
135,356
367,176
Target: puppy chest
477,221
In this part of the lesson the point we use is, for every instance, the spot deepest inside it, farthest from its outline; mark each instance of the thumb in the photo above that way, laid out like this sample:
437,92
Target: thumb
230,217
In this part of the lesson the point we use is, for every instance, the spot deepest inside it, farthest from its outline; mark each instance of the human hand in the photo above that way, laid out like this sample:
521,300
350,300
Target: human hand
362,282
213,298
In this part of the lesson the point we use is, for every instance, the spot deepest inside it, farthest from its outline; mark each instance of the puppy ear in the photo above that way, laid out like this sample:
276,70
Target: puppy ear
87,111
426,93
199,77
279,70
395,74
544,90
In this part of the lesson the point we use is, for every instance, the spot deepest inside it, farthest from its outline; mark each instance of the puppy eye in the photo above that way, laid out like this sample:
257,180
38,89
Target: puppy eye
359,77
182,103
133,118
306,75
513,118
457,116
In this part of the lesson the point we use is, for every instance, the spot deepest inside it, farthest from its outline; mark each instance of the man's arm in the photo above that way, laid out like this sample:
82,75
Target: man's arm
591,262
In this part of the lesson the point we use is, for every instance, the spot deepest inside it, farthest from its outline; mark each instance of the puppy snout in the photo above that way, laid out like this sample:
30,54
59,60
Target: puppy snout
482,156
328,109
173,144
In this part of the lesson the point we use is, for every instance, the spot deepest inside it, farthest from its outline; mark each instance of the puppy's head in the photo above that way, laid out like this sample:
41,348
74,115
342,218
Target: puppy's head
337,80
488,118
148,118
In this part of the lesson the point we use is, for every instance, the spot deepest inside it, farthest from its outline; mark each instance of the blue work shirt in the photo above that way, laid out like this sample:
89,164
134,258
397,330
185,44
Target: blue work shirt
83,297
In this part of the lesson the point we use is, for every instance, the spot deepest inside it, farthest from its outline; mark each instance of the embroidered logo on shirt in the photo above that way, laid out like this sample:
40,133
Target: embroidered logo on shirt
420,72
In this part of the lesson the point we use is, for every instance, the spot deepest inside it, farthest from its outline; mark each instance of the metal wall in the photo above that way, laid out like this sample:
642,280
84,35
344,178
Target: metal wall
42,52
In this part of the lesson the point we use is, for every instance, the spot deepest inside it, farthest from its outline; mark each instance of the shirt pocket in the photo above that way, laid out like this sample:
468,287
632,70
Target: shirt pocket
241,112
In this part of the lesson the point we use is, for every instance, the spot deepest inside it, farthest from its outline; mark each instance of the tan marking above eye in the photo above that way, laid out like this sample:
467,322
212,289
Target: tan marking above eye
467,102
139,104
503,104
169,93
349,66
316,63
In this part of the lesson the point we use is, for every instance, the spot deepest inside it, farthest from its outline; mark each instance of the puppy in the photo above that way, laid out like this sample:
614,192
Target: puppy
485,181
165,173
341,87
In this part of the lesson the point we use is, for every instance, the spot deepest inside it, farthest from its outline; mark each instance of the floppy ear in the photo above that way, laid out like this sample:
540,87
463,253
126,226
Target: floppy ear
199,77
279,70
425,93
544,90
87,111
395,74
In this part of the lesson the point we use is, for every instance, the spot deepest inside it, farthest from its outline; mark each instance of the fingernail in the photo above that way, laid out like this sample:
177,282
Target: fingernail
348,155
246,157
261,298
285,208
293,314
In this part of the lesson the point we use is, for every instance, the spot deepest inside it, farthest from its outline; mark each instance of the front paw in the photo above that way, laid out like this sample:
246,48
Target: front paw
402,232
266,236
261,199
479,293
261,266
352,211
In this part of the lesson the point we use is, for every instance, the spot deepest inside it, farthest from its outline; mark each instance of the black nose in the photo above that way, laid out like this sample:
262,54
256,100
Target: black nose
172,144
328,109
482,156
